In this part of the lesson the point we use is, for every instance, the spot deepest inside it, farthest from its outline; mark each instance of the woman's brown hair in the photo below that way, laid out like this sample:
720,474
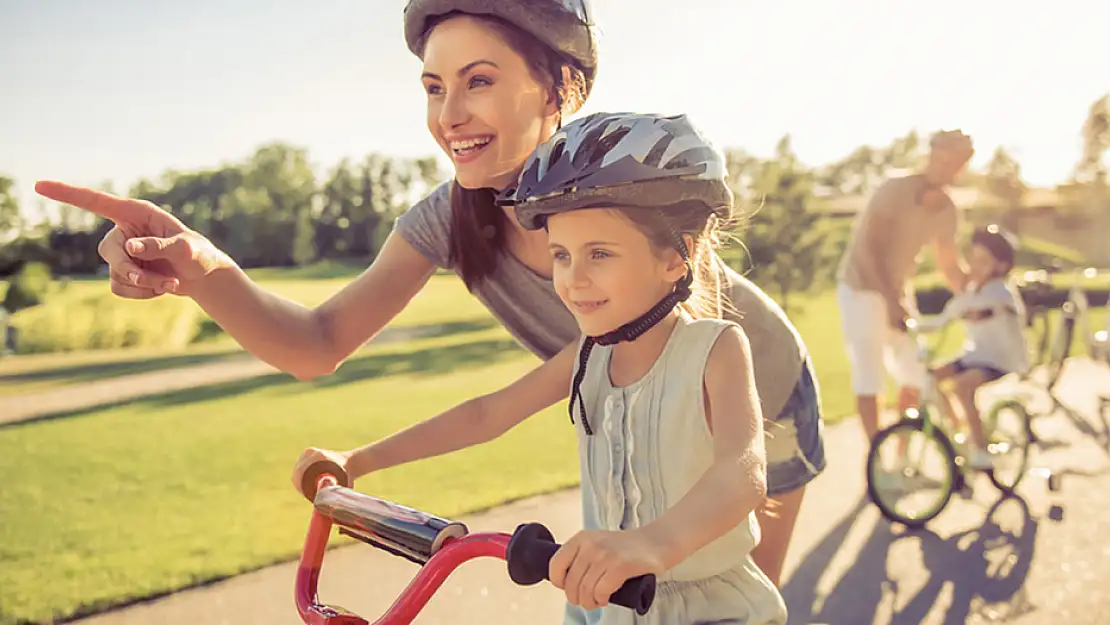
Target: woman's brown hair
479,228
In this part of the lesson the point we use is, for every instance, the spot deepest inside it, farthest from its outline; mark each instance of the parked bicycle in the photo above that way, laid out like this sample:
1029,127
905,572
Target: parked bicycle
1053,343
1056,342
1036,290
437,545
911,486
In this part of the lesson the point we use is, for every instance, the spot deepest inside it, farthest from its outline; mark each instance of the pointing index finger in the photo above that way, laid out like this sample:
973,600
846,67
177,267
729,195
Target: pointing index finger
108,206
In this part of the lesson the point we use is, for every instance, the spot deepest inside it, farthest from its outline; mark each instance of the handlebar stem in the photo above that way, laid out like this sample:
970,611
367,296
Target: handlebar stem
411,601
308,572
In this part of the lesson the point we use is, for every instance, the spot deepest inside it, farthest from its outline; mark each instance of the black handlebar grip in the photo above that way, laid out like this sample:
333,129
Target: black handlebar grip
315,470
529,556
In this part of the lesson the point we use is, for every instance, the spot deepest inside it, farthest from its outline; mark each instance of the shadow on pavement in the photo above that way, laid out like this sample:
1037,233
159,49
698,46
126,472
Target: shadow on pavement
981,570
864,578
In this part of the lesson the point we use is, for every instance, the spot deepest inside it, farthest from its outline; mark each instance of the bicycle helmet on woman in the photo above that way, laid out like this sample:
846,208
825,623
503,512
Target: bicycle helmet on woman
1000,243
564,25
631,159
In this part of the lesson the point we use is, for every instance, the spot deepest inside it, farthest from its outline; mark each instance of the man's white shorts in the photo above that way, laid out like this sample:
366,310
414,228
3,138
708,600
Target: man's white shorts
874,348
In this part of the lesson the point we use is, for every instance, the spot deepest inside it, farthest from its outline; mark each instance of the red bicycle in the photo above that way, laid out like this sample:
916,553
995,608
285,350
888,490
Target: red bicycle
437,545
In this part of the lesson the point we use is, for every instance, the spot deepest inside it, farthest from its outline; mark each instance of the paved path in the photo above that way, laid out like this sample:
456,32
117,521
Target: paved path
88,395
847,566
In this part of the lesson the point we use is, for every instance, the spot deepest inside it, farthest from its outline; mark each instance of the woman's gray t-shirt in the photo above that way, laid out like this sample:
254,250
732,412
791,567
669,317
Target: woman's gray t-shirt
527,306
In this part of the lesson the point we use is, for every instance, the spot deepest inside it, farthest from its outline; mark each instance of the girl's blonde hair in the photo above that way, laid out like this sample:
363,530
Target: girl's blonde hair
708,293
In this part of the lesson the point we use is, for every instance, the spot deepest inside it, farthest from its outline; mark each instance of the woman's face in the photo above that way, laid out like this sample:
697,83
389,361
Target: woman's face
485,108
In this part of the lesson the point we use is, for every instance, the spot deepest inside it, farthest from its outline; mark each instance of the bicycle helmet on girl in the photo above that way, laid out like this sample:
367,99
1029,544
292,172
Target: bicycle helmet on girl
630,159
1000,243
564,25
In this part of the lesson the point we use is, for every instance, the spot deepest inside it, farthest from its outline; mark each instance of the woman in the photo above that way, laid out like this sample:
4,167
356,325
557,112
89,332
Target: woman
499,76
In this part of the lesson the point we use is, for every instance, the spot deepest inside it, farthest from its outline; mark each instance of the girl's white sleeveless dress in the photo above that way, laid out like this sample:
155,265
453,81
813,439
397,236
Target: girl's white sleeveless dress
650,445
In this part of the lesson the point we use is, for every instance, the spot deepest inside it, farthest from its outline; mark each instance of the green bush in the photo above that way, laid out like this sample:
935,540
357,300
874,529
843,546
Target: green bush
28,287
104,321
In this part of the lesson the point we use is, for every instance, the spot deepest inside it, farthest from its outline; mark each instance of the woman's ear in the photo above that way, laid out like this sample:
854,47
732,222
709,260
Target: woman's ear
565,102
572,97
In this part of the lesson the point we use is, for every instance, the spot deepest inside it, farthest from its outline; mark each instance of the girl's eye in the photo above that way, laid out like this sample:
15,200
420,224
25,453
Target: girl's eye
599,254
560,255
480,81
433,89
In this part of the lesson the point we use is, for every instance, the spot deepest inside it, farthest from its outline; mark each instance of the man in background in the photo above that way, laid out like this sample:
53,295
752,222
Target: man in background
874,289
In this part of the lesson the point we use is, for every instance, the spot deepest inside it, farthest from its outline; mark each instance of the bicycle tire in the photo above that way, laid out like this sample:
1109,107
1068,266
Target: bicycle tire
954,481
990,420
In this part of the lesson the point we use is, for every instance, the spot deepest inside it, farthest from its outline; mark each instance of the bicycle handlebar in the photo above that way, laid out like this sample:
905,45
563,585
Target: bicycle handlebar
529,555
918,331
316,470
437,545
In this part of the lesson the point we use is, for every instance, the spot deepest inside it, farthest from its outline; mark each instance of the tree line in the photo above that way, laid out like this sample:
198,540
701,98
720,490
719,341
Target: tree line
271,209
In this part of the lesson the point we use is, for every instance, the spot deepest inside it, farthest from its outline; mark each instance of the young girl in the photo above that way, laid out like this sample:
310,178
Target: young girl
994,314
662,393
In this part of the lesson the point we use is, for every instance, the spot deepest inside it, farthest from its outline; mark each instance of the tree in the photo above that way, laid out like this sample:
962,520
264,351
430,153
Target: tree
341,196
742,169
428,173
862,171
1003,178
856,174
787,245
27,287
904,152
10,219
304,237
1091,168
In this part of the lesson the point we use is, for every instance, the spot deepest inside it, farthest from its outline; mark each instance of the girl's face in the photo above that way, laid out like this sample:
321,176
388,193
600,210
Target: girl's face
606,270
485,108
982,265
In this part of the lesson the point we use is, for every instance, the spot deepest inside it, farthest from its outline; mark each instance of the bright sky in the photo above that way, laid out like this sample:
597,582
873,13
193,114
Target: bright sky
119,89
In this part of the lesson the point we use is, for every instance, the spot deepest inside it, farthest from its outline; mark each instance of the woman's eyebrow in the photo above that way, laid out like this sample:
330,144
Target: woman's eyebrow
465,68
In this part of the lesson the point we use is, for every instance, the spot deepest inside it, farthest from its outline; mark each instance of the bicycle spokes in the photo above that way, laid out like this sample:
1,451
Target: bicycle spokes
914,475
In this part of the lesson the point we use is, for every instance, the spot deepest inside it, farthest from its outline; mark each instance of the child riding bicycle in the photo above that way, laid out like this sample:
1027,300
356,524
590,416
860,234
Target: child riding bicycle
993,313
662,395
